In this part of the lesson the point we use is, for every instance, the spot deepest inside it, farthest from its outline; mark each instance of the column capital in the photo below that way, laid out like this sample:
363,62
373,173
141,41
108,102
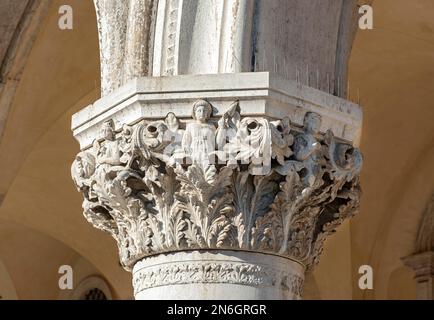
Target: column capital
180,166
423,266
421,263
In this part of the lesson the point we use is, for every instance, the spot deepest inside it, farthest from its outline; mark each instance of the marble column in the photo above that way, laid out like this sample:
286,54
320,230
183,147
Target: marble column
215,181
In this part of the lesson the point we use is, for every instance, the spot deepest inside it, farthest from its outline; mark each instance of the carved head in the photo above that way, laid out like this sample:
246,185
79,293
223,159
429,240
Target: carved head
172,122
108,130
312,122
83,167
202,110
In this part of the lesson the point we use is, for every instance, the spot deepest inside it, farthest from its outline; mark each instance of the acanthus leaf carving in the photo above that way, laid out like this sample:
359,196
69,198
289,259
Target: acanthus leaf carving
246,184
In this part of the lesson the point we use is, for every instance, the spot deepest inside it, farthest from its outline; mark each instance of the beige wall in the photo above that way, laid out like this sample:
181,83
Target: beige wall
393,65
37,149
30,261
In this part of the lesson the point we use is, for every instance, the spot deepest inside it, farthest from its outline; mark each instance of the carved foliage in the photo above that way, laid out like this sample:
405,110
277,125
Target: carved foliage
267,187
217,272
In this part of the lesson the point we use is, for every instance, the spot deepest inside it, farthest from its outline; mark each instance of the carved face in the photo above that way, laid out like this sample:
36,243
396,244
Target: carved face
312,122
83,167
107,131
201,113
171,122
87,163
202,110
171,119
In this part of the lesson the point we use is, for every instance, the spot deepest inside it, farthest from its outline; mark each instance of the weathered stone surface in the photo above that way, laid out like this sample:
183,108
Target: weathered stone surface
305,40
229,274
248,163
125,33
259,94
231,182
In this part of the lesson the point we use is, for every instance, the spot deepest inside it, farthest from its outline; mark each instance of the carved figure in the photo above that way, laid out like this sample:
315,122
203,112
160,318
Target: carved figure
307,148
109,152
199,137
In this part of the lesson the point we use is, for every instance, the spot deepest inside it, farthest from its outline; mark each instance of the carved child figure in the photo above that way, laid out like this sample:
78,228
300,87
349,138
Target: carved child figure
198,141
109,153
307,148
107,157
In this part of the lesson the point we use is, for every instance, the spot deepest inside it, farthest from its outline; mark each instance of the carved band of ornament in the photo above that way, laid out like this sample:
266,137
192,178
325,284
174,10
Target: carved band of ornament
222,272
231,183
170,37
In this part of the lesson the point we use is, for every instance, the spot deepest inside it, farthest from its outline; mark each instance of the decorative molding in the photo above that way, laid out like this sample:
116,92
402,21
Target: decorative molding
260,94
229,182
227,272
166,44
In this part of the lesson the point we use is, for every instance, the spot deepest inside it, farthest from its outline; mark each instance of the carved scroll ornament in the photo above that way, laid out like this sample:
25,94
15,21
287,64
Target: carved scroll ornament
235,183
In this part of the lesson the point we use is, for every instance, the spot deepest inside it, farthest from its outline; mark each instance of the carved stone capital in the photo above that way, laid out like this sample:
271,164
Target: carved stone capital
423,267
222,178
422,261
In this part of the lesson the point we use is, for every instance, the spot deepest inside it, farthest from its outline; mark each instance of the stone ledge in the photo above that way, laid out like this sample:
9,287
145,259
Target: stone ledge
260,94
